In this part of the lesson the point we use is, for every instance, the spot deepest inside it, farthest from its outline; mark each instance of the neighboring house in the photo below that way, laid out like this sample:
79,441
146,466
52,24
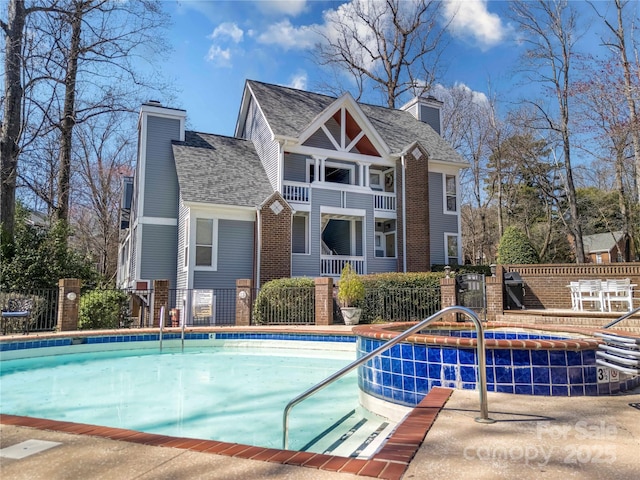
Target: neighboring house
606,247
308,183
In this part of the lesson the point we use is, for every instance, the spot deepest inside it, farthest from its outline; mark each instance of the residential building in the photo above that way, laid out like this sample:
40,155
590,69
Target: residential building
307,183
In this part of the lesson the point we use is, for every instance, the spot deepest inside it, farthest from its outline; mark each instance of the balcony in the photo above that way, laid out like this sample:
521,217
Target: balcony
332,265
296,192
385,201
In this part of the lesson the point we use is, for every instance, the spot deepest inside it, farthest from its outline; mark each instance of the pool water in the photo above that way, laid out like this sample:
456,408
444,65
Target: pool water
232,394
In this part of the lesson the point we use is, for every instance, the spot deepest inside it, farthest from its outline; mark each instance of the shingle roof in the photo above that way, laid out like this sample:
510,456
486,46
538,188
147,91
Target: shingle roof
601,242
290,111
220,170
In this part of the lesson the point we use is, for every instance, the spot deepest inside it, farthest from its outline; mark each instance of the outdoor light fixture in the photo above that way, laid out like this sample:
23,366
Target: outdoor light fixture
242,294
493,269
71,296
447,270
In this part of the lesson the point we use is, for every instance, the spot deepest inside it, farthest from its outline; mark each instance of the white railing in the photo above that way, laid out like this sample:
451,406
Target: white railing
385,201
295,192
332,265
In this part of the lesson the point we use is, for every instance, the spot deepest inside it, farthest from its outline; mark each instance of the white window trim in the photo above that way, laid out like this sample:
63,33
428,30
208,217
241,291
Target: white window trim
307,237
447,235
444,194
378,187
214,246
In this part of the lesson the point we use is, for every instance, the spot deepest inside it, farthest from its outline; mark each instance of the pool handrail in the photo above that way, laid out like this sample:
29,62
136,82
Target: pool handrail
161,325
482,370
623,317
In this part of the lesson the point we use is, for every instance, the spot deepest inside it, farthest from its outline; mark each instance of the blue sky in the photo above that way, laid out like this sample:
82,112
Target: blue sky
219,44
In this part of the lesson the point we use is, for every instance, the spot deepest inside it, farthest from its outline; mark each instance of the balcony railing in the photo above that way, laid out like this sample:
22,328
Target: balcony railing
385,201
332,265
295,192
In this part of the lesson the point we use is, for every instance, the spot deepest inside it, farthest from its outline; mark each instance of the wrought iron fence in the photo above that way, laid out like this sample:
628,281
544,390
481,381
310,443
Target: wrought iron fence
202,307
42,307
284,306
399,304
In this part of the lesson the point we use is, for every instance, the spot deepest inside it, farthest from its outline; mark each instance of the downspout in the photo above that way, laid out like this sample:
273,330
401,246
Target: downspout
258,247
404,216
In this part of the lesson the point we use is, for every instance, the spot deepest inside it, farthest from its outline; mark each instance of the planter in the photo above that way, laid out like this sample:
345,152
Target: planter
351,315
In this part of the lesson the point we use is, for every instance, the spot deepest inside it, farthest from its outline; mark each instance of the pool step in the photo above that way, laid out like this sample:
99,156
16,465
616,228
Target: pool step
620,352
357,434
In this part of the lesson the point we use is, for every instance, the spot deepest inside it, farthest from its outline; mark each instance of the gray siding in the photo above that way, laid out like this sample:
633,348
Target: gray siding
257,130
295,167
159,243
319,139
298,240
439,222
430,116
235,256
133,268
182,277
160,179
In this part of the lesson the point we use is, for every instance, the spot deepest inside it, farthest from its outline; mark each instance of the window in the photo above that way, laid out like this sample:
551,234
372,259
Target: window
300,234
598,258
451,200
451,244
204,242
375,179
379,243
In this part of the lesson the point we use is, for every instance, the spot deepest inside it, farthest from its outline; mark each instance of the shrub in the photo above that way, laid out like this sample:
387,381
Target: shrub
516,248
286,300
103,309
394,296
350,287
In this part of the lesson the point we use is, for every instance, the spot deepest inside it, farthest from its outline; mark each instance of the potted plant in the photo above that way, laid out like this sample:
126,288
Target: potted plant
350,293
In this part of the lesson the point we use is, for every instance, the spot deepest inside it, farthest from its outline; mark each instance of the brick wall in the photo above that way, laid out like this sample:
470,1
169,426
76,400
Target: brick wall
417,209
275,237
546,285
160,299
68,303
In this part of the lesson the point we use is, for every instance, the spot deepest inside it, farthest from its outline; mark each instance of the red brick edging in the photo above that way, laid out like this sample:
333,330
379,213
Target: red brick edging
389,463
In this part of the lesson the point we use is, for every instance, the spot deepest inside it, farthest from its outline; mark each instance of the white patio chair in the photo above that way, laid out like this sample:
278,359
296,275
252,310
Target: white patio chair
590,291
620,291
575,293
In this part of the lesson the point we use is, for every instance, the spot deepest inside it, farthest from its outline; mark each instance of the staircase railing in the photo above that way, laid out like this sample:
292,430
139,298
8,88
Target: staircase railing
623,317
482,369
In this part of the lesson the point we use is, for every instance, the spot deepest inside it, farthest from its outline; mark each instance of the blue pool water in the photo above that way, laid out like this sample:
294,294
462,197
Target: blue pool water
233,394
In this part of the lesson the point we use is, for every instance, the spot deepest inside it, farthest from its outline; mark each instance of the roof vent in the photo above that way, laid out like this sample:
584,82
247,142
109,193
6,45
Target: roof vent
154,102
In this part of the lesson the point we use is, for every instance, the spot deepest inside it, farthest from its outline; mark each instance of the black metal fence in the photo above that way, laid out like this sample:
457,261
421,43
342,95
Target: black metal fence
202,307
40,304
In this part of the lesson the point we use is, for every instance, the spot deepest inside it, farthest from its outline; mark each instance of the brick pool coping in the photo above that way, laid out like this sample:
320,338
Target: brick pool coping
384,332
390,462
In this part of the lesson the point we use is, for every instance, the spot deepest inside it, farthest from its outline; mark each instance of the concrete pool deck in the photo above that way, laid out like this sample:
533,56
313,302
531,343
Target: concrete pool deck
554,437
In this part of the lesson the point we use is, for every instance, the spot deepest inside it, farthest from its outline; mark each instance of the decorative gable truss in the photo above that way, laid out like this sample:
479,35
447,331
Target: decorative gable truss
344,128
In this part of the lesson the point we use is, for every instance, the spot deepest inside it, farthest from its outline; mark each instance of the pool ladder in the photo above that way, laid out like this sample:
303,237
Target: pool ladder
482,369
619,352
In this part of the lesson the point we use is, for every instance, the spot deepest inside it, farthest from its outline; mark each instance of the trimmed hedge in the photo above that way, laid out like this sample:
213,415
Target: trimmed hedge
516,248
286,300
103,309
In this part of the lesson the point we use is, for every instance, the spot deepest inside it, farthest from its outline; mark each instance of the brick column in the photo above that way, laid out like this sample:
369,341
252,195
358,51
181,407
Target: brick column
324,301
244,301
68,303
495,293
448,297
160,299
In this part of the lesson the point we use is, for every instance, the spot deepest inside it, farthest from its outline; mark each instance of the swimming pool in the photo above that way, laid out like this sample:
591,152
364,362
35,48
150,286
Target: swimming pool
227,387
529,361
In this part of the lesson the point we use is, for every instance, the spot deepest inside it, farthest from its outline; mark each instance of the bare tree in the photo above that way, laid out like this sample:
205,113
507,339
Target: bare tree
549,33
394,45
619,47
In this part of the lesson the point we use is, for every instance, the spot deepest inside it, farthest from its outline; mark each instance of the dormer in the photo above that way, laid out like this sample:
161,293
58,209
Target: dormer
427,110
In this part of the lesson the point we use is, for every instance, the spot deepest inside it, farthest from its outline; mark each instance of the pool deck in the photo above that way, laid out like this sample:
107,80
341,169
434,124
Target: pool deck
554,437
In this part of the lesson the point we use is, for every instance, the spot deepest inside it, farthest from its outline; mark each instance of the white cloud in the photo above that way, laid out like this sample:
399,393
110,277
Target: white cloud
472,19
287,36
219,56
459,90
282,7
227,29
299,81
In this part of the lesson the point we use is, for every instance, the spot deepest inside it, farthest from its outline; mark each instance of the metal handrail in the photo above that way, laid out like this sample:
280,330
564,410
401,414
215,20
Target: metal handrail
482,370
623,317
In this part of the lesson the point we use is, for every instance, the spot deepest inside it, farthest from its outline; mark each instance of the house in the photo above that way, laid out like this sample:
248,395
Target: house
607,247
307,183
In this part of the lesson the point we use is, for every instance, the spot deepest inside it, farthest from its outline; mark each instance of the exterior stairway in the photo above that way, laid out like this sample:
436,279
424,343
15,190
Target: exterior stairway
620,352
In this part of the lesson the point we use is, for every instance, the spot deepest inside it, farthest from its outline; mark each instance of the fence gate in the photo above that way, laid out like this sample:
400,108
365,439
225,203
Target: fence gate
471,293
